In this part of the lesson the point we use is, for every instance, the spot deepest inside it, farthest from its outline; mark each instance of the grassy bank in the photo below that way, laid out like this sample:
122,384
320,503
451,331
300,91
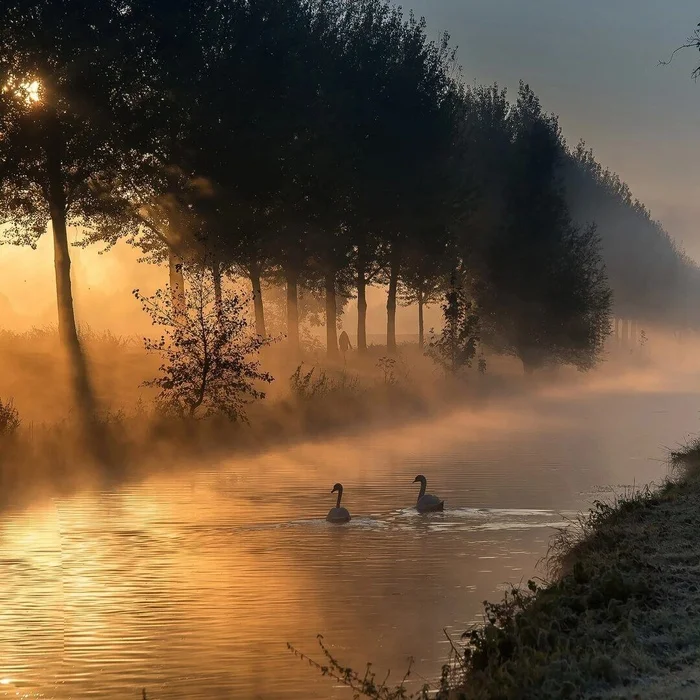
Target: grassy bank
621,617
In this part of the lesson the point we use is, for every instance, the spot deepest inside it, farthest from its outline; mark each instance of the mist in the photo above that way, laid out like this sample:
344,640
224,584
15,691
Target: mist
259,257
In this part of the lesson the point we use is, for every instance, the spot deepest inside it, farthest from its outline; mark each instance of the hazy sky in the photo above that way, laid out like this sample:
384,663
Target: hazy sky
595,63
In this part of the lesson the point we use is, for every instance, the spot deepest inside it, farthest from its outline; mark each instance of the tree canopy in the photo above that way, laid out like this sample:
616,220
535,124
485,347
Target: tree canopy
322,145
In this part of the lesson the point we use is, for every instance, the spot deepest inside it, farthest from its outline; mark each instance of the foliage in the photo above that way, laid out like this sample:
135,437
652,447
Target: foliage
649,272
209,356
362,684
543,294
307,387
597,624
344,151
387,366
456,346
66,107
9,419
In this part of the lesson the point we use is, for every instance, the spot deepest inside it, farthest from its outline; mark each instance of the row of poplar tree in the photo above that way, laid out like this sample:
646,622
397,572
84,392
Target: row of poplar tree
327,145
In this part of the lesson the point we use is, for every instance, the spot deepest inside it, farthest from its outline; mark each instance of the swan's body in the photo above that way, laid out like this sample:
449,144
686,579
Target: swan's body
338,514
426,502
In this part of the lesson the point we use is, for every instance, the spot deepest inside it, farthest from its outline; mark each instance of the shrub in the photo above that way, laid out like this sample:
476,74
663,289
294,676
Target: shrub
9,419
209,355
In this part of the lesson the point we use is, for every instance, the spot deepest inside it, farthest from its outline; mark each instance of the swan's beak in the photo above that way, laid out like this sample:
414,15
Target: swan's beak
414,481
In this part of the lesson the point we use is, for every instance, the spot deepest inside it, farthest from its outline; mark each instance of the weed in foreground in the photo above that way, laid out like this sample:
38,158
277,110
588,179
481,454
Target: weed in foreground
362,685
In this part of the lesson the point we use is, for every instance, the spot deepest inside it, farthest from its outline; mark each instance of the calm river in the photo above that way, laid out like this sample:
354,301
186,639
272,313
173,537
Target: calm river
190,586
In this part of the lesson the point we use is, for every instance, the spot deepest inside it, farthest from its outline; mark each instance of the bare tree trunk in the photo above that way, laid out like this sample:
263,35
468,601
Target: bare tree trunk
67,329
177,283
361,303
218,295
255,273
391,305
421,340
331,317
292,310
216,276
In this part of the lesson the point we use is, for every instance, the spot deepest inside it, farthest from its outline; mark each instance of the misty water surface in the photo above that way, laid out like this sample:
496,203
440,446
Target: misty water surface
190,586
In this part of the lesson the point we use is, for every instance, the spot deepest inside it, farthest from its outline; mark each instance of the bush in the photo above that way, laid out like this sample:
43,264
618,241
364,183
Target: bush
9,419
209,355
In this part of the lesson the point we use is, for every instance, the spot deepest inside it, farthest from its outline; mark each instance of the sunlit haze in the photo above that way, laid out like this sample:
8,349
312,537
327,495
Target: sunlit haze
314,343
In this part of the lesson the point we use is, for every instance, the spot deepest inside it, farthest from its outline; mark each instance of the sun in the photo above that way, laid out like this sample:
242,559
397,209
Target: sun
32,90
27,91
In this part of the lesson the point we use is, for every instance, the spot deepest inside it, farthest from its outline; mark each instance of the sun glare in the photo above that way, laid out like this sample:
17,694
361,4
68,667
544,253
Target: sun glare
27,91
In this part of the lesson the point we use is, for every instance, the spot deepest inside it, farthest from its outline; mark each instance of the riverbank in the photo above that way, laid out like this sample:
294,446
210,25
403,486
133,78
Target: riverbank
621,618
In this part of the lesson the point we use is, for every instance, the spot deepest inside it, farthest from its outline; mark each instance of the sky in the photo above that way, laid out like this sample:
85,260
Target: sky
595,63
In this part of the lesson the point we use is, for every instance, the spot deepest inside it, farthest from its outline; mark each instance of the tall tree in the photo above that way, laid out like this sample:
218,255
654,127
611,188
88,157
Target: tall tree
455,347
71,74
649,273
545,296
428,264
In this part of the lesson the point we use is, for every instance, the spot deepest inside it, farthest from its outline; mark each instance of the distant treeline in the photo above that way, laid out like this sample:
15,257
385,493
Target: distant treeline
653,279
326,145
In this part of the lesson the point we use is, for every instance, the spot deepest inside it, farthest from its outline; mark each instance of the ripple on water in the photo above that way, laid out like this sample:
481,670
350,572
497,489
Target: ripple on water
191,586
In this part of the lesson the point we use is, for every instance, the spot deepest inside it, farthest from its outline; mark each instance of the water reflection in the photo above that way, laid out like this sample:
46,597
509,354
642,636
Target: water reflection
190,586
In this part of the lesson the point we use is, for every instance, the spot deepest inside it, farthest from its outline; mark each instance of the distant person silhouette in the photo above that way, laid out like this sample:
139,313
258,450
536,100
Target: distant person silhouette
344,343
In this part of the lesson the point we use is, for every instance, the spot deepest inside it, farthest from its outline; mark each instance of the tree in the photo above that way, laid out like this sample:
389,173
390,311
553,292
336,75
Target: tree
71,73
209,356
426,273
650,275
455,347
544,295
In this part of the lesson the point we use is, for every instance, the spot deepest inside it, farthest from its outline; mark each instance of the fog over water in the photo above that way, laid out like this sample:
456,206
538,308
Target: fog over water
190,580
190,585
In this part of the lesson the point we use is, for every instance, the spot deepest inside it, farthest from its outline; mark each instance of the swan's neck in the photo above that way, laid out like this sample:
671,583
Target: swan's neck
423,486
340,495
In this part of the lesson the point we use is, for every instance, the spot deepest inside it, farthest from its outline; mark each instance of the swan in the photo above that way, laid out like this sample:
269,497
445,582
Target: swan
338,514
426,502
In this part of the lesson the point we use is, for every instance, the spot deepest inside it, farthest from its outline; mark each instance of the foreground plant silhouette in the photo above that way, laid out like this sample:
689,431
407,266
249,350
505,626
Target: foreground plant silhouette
362,684
209,355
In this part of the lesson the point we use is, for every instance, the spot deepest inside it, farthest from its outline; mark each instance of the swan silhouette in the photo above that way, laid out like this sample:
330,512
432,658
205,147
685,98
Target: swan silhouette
427,503
338,514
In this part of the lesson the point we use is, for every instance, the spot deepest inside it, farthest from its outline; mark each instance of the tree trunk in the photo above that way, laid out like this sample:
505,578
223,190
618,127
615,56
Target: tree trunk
292,310
391,305
67,329
421,340
331,317
216,276
177,283
361,303
255,273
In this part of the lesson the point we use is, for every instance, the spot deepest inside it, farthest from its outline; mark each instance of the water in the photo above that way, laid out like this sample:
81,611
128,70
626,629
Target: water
191,585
